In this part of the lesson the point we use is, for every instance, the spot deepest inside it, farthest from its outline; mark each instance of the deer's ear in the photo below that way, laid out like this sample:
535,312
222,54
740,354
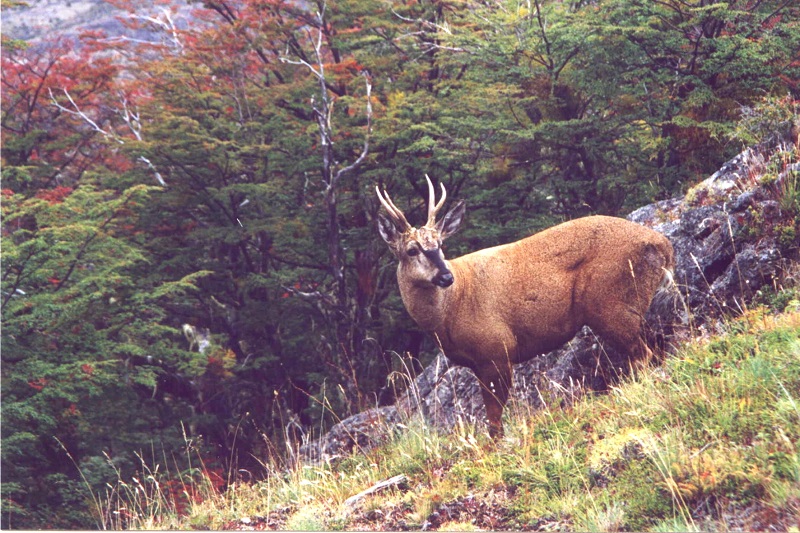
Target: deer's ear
389,232
452,220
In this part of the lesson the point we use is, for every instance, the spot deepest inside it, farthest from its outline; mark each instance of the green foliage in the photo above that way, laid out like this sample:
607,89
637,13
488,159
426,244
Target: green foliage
79,328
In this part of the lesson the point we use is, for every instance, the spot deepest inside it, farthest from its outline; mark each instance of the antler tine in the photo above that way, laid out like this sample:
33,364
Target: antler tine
433,209
393,210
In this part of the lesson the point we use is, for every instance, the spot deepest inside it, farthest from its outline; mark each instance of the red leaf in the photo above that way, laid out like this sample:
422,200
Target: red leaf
38,384
54,196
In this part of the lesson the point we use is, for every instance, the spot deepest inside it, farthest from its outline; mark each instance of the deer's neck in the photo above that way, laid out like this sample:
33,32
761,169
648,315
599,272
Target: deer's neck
427,304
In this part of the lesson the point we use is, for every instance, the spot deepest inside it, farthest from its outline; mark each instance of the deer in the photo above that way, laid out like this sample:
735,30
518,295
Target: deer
500,306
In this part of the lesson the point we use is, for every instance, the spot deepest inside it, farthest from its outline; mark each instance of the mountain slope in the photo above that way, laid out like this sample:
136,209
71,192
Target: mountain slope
41,19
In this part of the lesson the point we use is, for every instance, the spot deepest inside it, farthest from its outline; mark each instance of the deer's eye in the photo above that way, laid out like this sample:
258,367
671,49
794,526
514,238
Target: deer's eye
413,251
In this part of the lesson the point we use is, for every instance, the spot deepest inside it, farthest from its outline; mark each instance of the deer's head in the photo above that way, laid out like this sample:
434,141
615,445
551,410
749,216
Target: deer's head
419,250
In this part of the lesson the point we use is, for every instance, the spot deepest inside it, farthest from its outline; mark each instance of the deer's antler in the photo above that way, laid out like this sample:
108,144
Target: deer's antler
394,212
434,208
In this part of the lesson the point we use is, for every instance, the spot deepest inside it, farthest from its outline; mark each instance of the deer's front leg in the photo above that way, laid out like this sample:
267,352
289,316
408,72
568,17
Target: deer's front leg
495,384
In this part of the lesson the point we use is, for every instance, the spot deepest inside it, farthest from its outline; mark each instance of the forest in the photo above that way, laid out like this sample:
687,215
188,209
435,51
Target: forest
190,255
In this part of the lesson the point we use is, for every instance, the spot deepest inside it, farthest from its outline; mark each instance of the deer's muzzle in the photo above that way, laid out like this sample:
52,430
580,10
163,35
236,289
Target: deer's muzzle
443,278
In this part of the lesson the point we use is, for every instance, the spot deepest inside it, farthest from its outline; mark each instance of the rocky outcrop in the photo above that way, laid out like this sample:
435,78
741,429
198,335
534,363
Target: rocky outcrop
732,235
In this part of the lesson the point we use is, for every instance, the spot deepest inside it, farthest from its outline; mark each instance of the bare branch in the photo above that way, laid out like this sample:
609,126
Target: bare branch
156,173
83,116
423,22
167,24
365,149
130,118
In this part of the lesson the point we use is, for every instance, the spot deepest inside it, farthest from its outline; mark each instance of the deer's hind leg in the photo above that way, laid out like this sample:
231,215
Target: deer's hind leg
622,300
622,327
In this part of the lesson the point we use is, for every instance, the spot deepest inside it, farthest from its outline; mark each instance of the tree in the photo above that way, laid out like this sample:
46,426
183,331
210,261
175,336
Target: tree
607,104
44,146
85,347
92,361
696,64
228,125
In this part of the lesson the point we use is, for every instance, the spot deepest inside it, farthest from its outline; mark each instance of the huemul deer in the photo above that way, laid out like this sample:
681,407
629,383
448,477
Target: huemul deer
504,305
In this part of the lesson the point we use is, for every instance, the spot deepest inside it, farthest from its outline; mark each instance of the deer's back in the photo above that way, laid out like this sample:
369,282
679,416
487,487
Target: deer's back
592,242
540,290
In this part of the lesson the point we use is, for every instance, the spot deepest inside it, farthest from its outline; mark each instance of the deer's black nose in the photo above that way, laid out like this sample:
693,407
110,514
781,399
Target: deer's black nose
443,280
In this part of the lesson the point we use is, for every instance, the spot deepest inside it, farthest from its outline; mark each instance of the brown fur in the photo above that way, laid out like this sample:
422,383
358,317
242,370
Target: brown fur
510,303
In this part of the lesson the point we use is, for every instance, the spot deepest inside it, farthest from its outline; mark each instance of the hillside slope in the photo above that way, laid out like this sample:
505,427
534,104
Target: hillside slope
709,441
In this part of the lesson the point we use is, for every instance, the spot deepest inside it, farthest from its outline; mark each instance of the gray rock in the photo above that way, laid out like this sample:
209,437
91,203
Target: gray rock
362,431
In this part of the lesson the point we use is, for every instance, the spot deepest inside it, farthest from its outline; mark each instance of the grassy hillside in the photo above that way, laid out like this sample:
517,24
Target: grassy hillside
709,441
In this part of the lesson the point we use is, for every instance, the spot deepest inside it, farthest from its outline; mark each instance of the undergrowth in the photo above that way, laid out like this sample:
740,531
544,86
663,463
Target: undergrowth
707,441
